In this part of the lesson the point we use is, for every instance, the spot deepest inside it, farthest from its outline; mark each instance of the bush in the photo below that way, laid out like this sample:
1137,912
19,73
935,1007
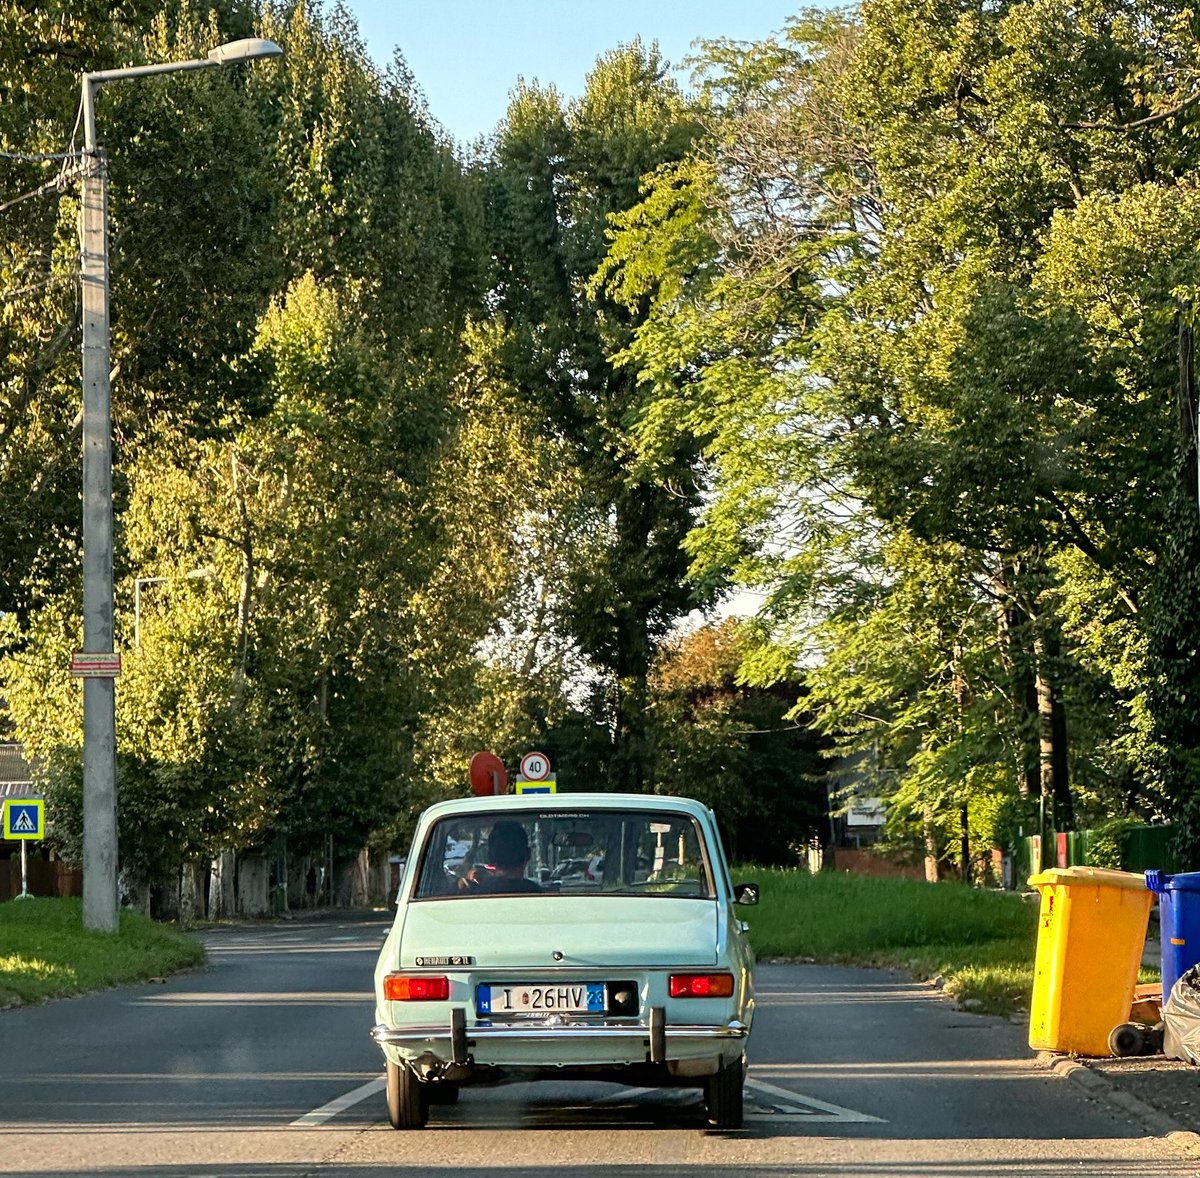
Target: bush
980,943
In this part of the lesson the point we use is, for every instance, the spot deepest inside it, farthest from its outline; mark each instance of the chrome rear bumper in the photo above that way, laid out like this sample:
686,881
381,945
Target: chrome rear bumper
453,1041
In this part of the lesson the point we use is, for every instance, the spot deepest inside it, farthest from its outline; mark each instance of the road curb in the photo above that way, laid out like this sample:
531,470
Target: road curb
1099,1086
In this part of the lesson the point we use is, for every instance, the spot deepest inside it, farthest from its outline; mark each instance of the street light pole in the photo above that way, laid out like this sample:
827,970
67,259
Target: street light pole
99,695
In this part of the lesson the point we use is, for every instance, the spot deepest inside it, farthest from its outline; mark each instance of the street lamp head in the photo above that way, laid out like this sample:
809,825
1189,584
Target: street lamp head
247,49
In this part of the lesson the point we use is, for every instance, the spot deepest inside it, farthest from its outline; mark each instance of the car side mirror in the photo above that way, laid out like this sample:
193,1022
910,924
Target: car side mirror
746,893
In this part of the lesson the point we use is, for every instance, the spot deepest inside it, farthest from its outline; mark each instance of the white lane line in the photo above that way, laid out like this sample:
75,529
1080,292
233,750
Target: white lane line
328,1111
808,1107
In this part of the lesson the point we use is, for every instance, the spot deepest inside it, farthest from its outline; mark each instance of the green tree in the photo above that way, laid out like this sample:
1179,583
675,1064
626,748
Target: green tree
555,176
748,752
286,424
851,309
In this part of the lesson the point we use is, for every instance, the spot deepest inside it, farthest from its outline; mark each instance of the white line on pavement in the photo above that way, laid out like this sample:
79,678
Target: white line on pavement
808,1107
328,1111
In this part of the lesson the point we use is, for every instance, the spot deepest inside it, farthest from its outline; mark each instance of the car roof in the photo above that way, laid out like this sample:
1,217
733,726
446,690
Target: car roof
564,802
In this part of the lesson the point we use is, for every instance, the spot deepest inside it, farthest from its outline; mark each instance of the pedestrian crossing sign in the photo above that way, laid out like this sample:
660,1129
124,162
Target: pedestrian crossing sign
24,818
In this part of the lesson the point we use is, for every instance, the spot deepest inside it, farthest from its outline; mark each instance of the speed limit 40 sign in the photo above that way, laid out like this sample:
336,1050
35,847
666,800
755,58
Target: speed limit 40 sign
535,766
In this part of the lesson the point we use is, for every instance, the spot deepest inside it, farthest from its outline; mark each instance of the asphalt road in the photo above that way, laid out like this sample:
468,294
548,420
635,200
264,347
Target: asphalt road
260,1067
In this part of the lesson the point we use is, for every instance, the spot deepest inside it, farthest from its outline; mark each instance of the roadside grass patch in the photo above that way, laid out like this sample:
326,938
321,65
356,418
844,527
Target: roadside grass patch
979,943
45,952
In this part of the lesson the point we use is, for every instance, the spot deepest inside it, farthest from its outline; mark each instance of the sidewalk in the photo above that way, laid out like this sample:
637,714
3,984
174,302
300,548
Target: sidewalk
1167,1089
1168,1086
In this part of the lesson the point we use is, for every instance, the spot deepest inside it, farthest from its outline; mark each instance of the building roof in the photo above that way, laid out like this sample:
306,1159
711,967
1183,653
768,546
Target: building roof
16,780
14,789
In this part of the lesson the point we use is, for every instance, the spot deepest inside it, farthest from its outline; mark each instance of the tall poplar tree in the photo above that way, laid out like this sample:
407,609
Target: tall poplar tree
556,174
293,262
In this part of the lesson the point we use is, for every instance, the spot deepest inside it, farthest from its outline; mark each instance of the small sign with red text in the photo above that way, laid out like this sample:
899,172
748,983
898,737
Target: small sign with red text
95,664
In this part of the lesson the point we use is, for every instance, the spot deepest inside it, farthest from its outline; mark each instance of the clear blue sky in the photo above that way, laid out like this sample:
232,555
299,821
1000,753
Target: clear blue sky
468,54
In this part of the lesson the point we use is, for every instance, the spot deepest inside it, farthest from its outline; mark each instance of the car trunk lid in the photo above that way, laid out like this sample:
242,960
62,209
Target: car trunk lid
594,930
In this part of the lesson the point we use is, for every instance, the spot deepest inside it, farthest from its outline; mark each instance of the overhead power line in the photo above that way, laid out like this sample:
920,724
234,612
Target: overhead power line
59,182
36,287
39,157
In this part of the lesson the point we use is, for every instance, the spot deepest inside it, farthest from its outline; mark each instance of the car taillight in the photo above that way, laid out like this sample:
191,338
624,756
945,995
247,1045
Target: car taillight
701,985
402,987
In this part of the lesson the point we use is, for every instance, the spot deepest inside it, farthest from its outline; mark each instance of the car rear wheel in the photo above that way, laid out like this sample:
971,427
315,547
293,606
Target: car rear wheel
407,1098
723,1095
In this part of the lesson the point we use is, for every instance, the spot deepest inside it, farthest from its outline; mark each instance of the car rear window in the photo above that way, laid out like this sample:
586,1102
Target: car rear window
602,852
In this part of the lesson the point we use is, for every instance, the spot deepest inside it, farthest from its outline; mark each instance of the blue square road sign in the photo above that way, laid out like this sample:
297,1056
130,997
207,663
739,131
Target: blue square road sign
24,818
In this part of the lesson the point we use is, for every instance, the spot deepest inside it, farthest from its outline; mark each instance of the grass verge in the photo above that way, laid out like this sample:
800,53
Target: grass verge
980,943
45,952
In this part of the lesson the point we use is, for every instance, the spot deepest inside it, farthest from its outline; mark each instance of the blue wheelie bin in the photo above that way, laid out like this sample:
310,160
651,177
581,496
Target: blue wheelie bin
1179,922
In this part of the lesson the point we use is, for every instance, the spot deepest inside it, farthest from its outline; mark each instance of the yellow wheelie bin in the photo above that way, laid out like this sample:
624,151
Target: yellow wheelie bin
1091,935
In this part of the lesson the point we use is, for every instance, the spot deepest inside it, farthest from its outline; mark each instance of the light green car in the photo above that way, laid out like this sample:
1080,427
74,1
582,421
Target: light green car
579,935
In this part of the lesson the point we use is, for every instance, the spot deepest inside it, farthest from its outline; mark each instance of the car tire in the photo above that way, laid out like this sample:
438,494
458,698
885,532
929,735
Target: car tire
407,1098
443,1093
723,1095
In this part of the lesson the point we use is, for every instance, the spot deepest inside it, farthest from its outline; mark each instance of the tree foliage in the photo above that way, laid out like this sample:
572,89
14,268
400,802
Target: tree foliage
924,279
294,258
556,173
420,452
745,750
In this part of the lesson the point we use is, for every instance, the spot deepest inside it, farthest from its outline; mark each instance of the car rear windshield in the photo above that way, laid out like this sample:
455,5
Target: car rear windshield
584,852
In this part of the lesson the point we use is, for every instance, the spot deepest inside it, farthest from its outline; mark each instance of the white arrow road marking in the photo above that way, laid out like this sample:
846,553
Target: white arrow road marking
789,1103
782,1101
328,1111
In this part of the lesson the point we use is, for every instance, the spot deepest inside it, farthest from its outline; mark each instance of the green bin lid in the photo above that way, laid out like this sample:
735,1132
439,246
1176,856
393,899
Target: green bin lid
1088,876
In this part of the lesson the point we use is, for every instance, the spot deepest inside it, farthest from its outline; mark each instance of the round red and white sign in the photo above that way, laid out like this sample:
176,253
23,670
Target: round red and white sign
535,766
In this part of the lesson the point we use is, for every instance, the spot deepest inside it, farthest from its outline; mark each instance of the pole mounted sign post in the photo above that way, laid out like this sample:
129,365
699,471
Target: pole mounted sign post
488,775
535,776
95,666
535,766
24,821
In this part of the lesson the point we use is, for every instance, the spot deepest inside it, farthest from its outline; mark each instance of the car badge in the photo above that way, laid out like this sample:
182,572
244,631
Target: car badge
460,959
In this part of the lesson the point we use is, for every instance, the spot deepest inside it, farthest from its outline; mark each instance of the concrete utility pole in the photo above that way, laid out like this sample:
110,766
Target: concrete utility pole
99,695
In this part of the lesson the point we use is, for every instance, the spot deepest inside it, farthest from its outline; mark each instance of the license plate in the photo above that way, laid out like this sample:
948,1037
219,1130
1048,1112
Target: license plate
536,998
